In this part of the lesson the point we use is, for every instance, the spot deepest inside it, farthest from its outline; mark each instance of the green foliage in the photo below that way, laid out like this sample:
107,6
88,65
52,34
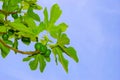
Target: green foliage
34,63
10,32
15,16
26,40
55,13
27,26
39,60
15,44
4,51
10,5
32,14
62,60
42,63
5,37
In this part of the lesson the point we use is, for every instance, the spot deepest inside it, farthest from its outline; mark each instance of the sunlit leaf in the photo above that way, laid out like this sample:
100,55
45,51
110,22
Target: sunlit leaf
63,40
62,60
70,51
27,58
4,50
45,16
62,27
3,29
55,55
33,14
13,5
1,16
13,2
21,27
34,63
41,27
31,24
5,5
55,13
25,5
15,44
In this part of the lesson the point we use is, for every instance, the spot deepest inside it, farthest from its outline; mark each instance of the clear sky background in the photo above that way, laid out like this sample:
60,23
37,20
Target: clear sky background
94,30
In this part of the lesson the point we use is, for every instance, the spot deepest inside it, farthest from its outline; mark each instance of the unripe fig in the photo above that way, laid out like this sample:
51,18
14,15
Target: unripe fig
5,36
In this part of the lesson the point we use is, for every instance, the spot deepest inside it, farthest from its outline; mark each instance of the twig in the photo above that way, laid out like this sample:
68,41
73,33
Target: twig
2,33
5,12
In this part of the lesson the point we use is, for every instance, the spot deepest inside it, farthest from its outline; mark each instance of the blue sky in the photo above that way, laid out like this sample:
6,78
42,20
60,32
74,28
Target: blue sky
94,31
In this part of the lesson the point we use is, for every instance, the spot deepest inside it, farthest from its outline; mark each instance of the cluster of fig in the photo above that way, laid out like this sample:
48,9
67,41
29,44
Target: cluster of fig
43,49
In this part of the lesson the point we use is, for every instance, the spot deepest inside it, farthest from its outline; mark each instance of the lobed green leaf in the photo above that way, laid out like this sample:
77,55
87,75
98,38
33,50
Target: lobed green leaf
62,27
41,27
70,51
15,44
63,39
27,58
55,55
42,63
45,12
62,60
55,13
31,24
21,27
34,63
4,50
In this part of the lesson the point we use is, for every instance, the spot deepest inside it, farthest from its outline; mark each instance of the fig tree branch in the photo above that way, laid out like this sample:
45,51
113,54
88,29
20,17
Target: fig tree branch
19,51
5,12
2,32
